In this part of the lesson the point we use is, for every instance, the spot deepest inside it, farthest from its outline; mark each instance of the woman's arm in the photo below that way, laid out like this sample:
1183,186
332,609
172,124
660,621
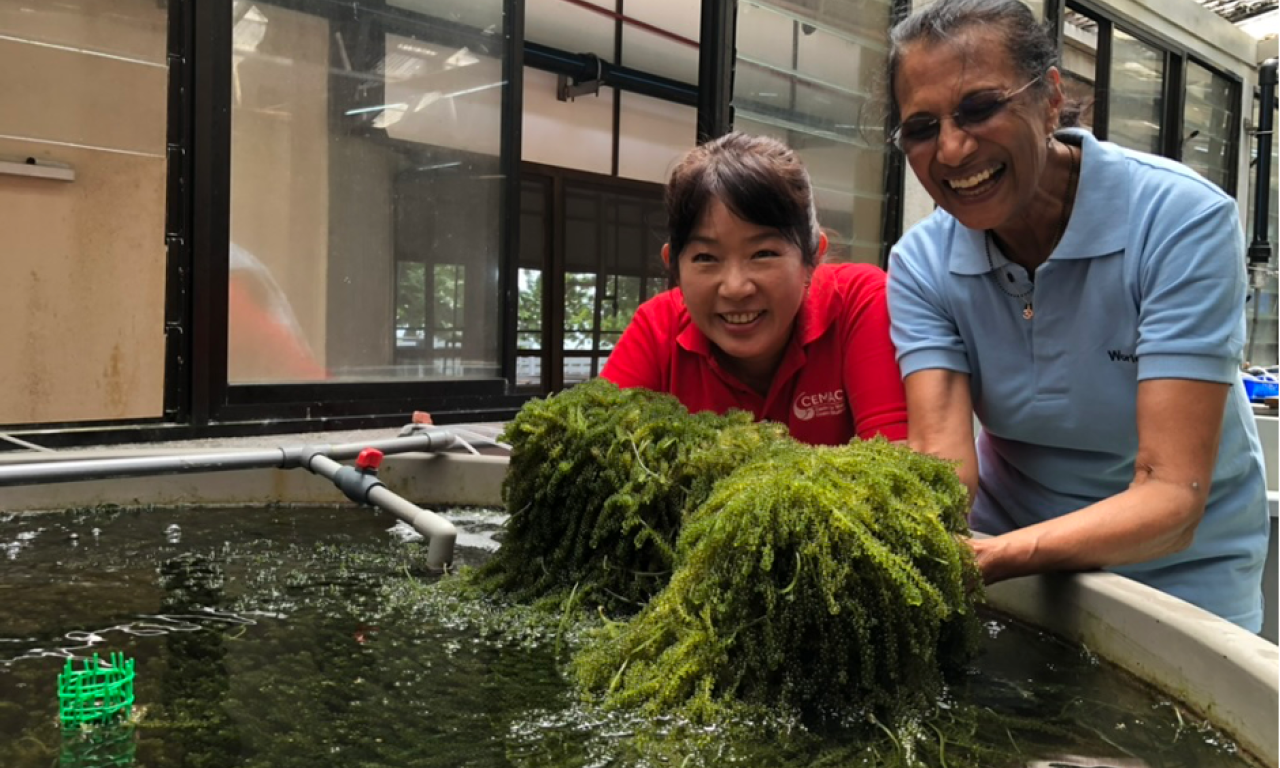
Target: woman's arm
940,419
871,378
1179,426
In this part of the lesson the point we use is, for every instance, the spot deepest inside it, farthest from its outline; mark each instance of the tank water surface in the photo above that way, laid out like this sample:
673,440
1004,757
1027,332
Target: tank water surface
283,637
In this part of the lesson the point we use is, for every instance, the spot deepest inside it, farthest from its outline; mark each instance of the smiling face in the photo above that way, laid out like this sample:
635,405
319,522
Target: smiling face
987,172
743,285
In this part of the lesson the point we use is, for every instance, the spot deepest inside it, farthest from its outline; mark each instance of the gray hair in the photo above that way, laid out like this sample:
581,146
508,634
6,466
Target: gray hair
1031,45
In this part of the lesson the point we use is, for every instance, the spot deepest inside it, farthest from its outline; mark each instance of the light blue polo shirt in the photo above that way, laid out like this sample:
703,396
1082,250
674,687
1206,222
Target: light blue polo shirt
1148,282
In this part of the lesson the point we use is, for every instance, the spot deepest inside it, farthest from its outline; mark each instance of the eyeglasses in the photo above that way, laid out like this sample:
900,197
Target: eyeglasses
973,110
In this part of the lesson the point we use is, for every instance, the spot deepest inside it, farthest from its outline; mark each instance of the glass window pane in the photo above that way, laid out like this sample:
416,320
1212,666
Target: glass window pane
577,340
535,226
1207,123
83,91
652,136
579,309
577,370
619,306
1137,93
567,134
529,322
528,371
674,54
1261,309
807,78
411,310
570,26
613,242
1080,67
363,143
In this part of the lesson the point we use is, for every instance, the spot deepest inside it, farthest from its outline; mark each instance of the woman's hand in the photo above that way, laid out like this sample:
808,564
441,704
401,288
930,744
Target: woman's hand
940,421
1179,427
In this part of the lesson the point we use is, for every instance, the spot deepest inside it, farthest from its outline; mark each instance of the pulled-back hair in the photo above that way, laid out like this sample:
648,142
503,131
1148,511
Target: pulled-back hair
1029,44
759,179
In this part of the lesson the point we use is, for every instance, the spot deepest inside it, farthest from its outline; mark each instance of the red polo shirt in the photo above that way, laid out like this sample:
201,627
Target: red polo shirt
838,378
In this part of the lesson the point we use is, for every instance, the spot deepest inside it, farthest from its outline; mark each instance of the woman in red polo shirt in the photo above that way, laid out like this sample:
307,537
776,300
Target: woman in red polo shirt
756,321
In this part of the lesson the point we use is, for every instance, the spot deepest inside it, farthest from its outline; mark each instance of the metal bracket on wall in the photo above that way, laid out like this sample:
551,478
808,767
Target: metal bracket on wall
568,90
38,169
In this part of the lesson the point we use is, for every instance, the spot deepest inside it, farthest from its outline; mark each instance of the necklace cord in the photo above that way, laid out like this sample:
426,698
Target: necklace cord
1067,206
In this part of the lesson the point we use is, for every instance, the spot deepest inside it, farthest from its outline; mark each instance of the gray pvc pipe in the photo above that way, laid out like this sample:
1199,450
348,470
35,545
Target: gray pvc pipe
35,473
319,459
441,535
38,473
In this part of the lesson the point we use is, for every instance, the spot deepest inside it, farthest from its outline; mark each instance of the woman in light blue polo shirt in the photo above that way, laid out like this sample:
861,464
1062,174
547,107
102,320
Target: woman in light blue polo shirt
1086,302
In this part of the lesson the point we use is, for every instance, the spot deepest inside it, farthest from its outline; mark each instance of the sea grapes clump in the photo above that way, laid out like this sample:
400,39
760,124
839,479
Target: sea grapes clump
599,483
825,579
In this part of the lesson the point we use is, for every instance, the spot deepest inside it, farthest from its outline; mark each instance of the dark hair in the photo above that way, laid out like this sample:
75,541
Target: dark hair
1029,44
759,179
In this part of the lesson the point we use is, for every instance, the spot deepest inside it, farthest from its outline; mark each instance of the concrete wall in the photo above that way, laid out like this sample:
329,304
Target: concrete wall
82,302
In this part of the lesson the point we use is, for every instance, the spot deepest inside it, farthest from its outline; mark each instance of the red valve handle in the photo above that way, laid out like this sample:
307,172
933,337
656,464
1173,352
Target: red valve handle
369,460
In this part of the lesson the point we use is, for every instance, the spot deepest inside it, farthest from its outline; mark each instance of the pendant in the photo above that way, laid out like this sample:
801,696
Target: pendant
1027,311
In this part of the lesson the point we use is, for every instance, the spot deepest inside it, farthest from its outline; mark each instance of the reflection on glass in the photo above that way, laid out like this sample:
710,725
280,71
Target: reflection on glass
529,325
364,171
579,310
530,284
613,242
1079,69
1137,93
619,304
652,135
578,369
528,371
1207,122
411,306
450,281
673,52
807,78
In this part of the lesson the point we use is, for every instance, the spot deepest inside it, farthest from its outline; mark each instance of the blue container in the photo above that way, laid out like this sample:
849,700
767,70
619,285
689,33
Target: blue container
1260,387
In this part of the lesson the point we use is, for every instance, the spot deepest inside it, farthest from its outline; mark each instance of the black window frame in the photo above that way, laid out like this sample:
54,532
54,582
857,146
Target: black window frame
198,400
555,180
1172,122
210,399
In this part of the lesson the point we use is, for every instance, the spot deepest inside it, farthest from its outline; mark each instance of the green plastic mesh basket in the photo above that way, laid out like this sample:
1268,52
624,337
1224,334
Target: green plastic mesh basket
96,694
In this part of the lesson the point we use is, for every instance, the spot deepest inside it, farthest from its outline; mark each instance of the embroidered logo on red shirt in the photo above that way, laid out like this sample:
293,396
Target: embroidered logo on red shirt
818,405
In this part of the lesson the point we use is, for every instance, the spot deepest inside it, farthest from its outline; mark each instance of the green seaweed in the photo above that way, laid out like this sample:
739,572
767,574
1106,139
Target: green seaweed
599,484
824,579
765,572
